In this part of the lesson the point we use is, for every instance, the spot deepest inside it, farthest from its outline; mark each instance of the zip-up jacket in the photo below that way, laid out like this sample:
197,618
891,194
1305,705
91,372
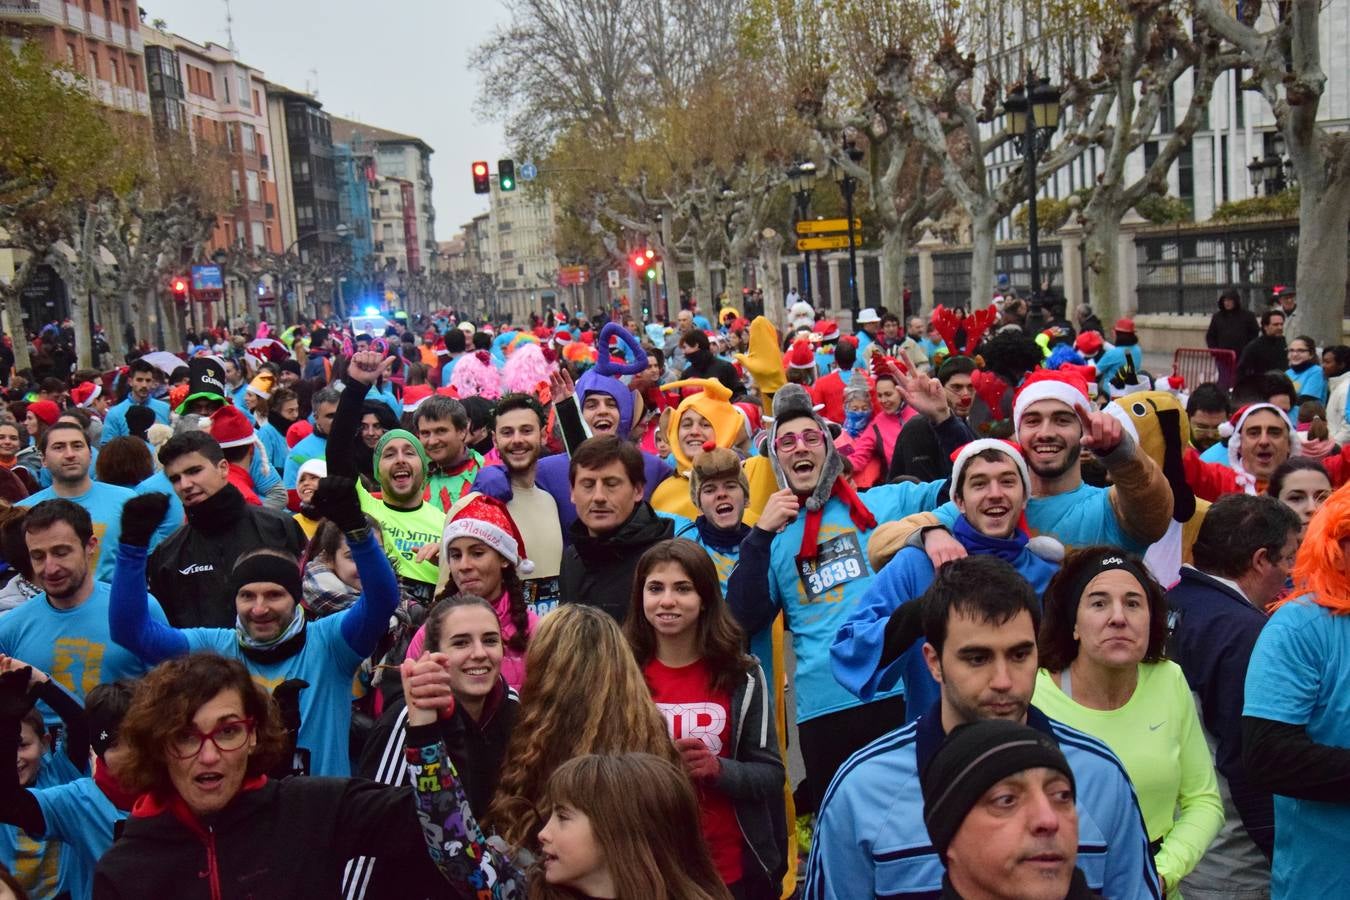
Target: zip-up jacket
752,777
286,839
871,841
598,571
189,569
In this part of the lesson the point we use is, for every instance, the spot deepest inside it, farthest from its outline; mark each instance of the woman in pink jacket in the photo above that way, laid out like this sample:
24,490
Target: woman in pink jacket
877,439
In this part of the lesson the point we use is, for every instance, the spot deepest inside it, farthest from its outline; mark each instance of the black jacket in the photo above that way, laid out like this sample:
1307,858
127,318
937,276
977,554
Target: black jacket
598,571
477,750
189,570
704,364
1231,329
1263,354
287,839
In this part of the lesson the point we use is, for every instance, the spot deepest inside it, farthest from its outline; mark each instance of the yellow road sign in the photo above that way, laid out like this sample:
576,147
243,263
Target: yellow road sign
827,226
834,242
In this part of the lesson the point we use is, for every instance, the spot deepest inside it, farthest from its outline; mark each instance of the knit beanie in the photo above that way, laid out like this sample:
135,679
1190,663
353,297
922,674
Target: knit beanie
859,387
401,434
973,758
46,411
714,463
488,520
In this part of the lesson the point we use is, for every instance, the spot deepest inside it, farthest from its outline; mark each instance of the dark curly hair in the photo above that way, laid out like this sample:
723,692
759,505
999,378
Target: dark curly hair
1055,643
165,702
1010,354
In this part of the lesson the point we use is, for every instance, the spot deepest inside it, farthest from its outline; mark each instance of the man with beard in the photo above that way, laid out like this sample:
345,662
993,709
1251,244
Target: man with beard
314,445
443,427
518,432
63,631
1267,352
66,455
978,620
411,525
142,377
1054,423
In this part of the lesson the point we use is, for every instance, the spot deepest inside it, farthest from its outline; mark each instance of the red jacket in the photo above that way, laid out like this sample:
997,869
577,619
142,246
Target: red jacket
829,391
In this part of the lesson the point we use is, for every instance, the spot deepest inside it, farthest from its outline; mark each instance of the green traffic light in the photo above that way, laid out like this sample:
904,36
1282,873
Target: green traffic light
651,274
508,184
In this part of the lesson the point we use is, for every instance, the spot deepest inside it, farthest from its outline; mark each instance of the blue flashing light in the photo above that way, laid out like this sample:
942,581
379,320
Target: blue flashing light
372,311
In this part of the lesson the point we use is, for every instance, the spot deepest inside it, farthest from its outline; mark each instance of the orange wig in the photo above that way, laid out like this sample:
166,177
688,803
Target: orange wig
1321,568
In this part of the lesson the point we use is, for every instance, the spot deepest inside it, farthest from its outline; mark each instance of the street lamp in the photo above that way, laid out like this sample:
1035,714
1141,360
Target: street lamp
848,185
1267,174
802,177
1032,120
341,230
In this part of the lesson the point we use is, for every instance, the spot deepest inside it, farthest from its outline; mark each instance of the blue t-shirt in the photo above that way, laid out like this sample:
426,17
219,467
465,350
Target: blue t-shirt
817,597
312,446
274,442
73,646
1311,382
40,867
80,817
327,663
103,502
1297,676
1081,517
1218,453
115,422
174,517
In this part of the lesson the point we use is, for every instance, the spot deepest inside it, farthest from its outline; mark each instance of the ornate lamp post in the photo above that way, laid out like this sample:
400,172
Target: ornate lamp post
1032,120
848,185
802,177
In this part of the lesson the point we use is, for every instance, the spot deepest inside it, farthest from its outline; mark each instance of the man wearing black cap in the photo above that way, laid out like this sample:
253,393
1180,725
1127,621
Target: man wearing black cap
979,619
998,800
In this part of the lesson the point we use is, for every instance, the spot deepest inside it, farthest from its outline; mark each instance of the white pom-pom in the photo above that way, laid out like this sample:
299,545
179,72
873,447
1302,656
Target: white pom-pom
525,567
1225,430
1046,548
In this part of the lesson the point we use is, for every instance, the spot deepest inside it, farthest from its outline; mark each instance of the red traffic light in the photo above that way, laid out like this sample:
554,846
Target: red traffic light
640,260
180,286
482,183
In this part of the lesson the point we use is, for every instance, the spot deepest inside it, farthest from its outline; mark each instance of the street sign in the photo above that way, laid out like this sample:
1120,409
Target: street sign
834,242
827,226
527,171
614,278
569,275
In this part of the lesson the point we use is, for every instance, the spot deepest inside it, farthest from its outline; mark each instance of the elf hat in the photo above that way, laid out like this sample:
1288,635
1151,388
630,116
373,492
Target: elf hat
487,519
85,393
230,427
1068,388
968,452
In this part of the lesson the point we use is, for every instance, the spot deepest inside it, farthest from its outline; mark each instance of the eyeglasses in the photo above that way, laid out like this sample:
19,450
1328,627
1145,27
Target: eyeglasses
811,439
1300,350
228,736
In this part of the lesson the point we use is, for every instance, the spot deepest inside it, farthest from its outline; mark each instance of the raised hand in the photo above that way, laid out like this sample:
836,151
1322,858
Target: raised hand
141,515
367,366
780,509
925,394
1102,432
560,386
336,499
426,688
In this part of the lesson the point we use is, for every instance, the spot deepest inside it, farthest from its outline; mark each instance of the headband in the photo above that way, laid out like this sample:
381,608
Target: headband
265,567
1112,560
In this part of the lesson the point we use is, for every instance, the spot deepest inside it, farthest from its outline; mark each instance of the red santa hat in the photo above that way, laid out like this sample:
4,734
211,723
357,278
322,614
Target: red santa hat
965,453
801,356
1068,388
1234,425
487,519
413,395
230,427
85,393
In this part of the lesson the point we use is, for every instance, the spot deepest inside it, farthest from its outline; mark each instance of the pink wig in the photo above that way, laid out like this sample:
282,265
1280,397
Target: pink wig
475,376
526,369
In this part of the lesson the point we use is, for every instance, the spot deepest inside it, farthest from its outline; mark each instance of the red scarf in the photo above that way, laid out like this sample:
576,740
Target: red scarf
121,798
862,518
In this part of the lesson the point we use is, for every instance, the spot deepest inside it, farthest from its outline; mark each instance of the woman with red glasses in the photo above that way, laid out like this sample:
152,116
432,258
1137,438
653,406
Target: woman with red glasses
199,737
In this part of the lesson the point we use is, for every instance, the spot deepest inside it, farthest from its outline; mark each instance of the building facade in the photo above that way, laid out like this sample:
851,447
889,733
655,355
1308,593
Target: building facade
521,234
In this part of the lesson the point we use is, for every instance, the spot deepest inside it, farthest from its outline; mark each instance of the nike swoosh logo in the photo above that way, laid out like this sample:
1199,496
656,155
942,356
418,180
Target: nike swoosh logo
1159,725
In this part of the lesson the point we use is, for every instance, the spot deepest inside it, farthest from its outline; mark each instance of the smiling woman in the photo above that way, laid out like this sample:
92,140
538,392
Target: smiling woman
1101,644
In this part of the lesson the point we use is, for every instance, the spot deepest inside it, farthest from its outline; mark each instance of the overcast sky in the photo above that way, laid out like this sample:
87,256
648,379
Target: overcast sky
397,64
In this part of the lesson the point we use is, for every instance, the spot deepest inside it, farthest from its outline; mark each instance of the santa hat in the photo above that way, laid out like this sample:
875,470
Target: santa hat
313,466
828,329
1089,343
1067,387
1007,448
85,393
487,519
230,427
1233,427
413,395
801,356
262,385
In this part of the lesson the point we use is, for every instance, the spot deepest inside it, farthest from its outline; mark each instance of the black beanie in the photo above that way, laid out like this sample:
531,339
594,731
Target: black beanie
973,758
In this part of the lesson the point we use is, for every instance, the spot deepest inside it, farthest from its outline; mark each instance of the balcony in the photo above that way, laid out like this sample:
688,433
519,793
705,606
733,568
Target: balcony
98,28
123,97
33,11
103,91
143,104
117,35
137,42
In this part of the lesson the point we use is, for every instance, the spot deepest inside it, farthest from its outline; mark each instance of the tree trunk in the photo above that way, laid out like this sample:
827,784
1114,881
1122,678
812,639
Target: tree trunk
1101,246
982,259
735,281
10,293
702,279
894,249
167,314
1323,218
771,278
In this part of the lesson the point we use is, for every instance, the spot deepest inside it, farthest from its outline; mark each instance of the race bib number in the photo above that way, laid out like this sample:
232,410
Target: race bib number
421,592
542,595
838,561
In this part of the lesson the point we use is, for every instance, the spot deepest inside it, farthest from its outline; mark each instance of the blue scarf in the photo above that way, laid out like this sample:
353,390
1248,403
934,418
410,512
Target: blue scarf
724,540
855,422
1006,549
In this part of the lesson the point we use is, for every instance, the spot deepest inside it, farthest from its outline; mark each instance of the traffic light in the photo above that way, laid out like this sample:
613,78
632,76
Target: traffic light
180,289
481,182
506,174
639,261
650,266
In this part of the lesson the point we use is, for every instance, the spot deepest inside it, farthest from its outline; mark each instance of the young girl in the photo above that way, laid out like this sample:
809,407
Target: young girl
463,634
714,700
619,825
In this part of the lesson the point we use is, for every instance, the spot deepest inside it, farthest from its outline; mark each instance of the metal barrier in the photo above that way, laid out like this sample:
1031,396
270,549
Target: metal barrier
1199,364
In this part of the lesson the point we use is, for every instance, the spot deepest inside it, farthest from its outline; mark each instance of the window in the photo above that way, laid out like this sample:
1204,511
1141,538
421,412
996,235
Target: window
1186,175
259,236
93,64
115,71
1223,166
300,169
304,215
388,232
234,183
251,182
256,104
243,91
229,134
250,141
225,87
1239,100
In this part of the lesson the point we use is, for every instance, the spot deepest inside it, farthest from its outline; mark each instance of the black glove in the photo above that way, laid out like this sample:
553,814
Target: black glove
141,515
287,698
335,499
15,701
